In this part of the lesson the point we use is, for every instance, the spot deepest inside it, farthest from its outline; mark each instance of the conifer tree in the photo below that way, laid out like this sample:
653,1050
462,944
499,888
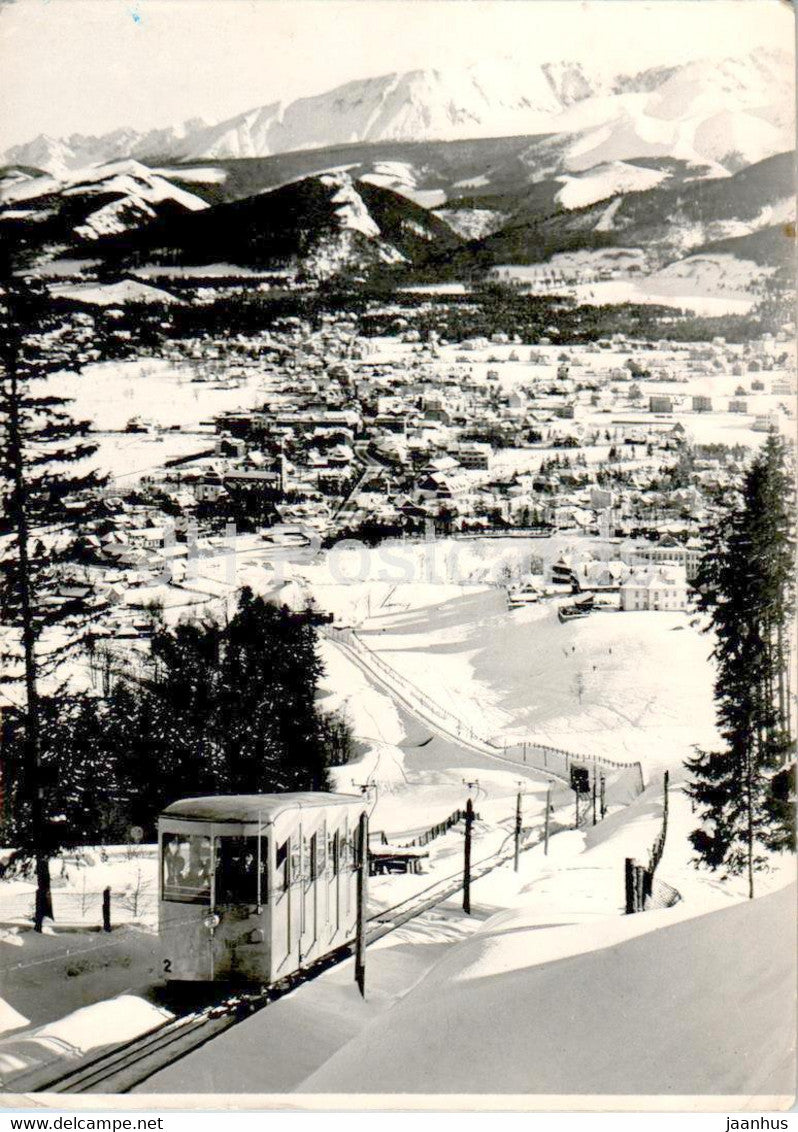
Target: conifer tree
45,490
746,584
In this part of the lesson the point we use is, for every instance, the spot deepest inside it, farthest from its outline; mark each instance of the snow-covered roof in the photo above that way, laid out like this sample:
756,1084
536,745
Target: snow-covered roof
254,807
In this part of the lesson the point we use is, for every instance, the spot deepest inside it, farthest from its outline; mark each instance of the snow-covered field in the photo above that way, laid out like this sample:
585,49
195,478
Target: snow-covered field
627,686
704,284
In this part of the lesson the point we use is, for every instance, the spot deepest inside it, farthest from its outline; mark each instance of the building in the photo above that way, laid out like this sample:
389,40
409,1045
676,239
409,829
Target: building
654,588
702,404
475,456
601,498
736,405
601,576
767,422
669,551
660,404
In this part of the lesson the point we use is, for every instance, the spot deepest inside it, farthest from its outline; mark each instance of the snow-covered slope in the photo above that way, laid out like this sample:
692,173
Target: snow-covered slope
606,180
729,113
104,199
668,220
48,214
704,1006
317,225
135,194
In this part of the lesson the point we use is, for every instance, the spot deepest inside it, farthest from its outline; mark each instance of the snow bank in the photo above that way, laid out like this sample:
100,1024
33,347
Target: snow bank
85,1031
704,1007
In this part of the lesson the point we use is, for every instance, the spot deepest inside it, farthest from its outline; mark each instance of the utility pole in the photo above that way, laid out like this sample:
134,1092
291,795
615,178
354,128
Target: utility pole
602,795
593,792
469,821
517,831
576,797
360,940
546,822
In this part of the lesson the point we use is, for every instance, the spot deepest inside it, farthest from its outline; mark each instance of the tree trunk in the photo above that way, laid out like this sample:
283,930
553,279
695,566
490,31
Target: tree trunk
32,784
750,823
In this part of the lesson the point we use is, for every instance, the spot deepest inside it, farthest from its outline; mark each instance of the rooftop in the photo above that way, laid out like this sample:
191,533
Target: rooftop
254,807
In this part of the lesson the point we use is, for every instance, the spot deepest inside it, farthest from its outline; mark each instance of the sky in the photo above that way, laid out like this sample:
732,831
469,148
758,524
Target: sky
89,66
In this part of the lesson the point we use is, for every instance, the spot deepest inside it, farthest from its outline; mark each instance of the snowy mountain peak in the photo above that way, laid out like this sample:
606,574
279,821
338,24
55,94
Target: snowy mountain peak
491,98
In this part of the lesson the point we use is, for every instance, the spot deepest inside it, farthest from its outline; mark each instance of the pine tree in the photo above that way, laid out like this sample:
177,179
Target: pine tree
40,446
220,709
746,584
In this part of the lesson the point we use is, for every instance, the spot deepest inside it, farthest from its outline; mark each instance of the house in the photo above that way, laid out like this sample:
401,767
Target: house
702,404
736,405
209,488
601,576
436,485
441,465
660,404
562,571
655,588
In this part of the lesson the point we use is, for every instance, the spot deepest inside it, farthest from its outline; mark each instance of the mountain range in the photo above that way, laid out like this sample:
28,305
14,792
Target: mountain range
399,204
669,163
721,113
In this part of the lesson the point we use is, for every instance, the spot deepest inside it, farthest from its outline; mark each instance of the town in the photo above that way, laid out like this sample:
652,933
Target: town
622,446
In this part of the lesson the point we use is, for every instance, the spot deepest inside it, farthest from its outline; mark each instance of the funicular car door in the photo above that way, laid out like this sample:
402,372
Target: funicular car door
240,949
309,907
334,866
281,927
322,887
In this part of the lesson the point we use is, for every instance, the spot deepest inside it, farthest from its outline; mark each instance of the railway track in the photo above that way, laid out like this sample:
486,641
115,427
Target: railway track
125,1066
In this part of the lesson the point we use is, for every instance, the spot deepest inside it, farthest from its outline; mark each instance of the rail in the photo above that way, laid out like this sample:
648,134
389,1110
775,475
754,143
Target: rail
127,1065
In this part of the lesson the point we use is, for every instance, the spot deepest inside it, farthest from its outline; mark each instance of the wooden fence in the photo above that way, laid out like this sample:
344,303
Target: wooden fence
438,830
643,890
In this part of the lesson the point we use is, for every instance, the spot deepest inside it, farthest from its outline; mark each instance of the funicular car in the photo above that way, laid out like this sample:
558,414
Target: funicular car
256,887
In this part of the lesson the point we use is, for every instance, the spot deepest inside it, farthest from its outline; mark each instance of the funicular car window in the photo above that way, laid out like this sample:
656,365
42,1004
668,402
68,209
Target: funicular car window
186,868
313,858
237,871
282,878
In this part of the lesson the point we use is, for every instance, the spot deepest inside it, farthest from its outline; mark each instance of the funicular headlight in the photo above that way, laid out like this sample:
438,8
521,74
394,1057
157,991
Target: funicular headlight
211,921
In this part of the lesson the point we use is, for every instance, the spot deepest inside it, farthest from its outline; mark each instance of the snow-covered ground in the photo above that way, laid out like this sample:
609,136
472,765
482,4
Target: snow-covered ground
705,284
545,989
633,686
544,981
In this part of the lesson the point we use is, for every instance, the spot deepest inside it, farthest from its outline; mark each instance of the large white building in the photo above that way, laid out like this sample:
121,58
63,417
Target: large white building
655,587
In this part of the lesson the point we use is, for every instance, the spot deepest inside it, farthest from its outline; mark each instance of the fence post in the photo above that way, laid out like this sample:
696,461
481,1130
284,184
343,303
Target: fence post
603,795
648,878
517,831
360,942
469,821
629,884
640,888
546,822
106,909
